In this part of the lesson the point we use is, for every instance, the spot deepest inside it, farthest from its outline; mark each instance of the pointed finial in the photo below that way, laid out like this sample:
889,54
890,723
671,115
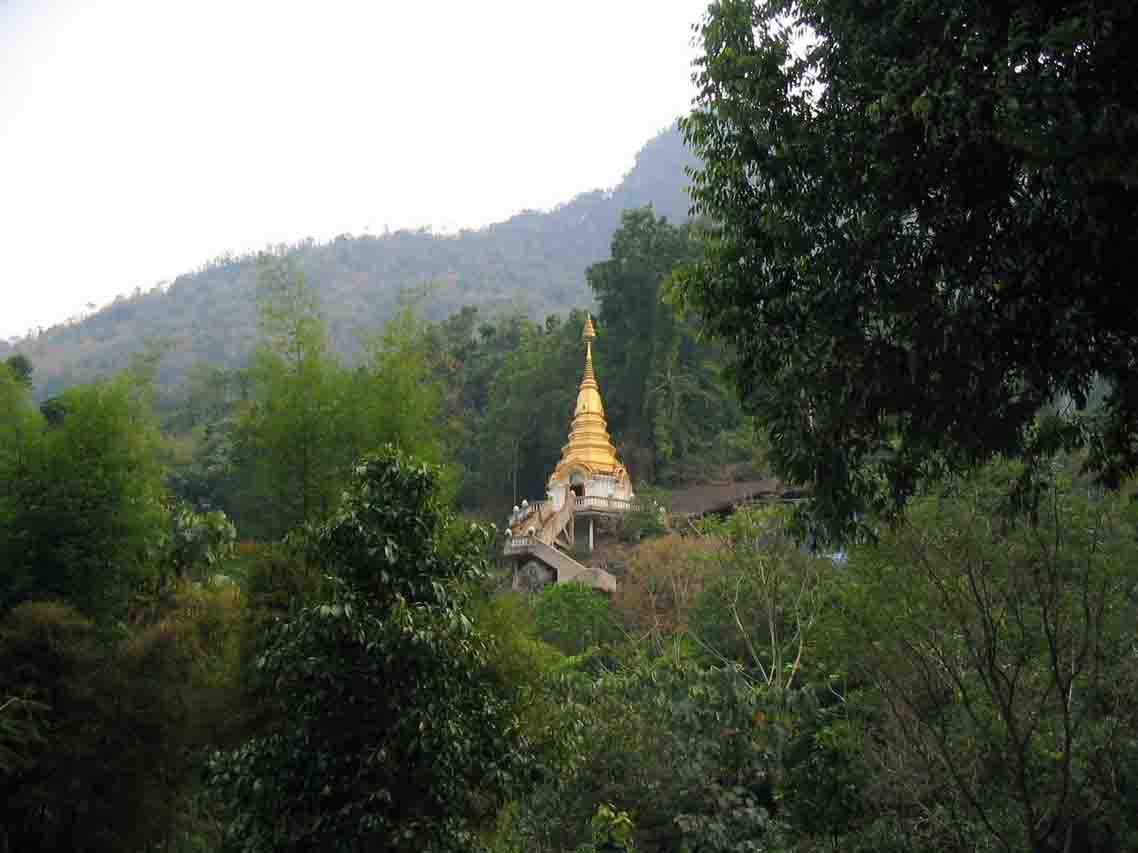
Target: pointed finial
588,333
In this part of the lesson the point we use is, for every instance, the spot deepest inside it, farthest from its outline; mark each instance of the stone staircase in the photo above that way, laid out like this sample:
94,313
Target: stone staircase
536,532
568,570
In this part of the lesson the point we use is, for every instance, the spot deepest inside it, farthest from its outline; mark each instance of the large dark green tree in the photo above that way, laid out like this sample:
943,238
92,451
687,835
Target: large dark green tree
467,356
637,323
391,730
664,393
924,230
529,406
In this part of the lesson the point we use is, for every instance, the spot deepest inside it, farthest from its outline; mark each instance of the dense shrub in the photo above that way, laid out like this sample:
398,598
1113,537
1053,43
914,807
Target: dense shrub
997,651
662,582
574,617
121,721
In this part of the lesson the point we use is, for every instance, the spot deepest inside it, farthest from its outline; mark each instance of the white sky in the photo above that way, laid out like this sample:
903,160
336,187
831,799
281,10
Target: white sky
140,138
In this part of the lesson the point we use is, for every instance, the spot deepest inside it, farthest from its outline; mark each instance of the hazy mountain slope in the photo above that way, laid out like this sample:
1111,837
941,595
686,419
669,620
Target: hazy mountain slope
534,261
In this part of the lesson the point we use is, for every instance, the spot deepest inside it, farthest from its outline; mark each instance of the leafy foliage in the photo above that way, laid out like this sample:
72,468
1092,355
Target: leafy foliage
683,749
198,543
574,617
311,418
763,607
1001,651
81,508
922,219
293,428
118,723
392,732
21,728
21,368
666,398
612,831
530,401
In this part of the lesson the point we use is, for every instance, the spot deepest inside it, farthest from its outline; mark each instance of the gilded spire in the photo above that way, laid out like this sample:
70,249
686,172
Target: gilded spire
589,446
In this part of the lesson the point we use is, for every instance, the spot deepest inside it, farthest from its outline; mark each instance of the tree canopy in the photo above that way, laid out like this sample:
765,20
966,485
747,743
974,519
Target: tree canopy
999,651
81,500
21,368
923,231
663,387
393,732
311,417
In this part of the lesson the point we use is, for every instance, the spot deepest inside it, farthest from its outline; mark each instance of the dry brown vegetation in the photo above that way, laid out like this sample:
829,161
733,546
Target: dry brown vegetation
663,578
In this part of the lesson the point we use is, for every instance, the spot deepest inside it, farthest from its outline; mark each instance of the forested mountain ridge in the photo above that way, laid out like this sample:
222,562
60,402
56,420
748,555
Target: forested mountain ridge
534,262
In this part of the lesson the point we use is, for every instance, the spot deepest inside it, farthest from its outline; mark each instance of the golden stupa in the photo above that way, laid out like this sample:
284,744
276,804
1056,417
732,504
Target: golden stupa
589,450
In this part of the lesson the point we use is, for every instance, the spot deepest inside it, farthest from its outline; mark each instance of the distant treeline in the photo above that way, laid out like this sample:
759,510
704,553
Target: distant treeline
533,263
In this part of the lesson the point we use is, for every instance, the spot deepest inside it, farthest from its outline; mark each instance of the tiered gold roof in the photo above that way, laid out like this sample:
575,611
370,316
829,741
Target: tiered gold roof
589,447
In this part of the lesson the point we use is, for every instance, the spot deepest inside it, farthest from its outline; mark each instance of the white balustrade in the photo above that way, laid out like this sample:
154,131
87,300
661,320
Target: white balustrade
520,514
601,502
519,543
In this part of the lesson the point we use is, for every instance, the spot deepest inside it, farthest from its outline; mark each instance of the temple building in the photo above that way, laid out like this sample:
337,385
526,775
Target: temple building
588,483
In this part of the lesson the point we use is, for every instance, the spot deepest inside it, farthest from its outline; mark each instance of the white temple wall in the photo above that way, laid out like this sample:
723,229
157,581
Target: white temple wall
599,485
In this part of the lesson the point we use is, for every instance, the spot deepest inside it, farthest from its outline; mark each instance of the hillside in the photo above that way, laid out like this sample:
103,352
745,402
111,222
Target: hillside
533,262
